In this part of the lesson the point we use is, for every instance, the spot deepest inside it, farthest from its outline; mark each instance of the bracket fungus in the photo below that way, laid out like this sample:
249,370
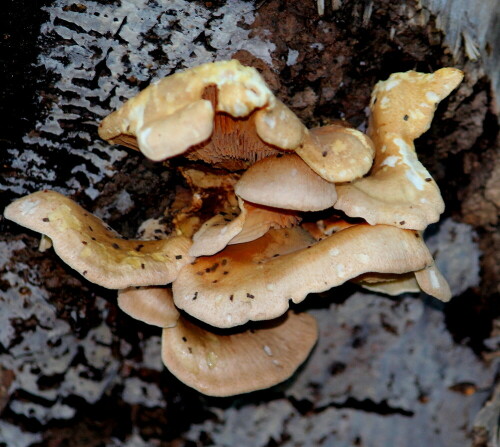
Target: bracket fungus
233,363
337,153
256,280
285,181
247,238
252,222
223,112
399,190
151,305
95,250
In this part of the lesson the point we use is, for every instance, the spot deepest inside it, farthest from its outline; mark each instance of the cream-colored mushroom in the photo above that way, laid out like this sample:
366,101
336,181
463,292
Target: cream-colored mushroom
256,280
151,305
285,181
93,249
429,280
337,153
399,190
389,284
228,363
432,282
249,223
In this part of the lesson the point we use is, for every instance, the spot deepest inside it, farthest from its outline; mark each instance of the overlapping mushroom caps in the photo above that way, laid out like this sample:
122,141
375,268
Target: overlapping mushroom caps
222,113
240,254
256,280
221,363
399,190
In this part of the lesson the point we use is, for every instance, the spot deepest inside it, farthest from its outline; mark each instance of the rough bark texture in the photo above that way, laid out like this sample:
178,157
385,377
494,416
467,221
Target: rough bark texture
75,371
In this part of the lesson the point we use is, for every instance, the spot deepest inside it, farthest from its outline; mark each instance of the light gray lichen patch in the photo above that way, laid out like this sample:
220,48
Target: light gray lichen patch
151,349
13,436
49,349
135,440
248,426
138,392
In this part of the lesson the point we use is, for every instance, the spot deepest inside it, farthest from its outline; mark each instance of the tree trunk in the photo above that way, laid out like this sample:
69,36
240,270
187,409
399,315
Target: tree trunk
405,371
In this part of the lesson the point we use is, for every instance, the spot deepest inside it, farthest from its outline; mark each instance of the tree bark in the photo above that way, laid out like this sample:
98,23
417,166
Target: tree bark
405,371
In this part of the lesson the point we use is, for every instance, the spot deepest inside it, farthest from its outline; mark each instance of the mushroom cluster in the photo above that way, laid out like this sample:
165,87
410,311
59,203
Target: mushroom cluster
272,212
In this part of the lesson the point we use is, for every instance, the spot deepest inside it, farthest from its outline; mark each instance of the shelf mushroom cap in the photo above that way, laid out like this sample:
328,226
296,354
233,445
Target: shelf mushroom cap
252,222
337,153
429,280
93,249
257,280
285,181
392,286
219,364
209,109
432,282
151,305
399,190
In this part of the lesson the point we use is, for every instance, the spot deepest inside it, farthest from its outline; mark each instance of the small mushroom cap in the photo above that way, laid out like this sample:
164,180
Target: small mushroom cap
399,190
93,249
429,280
217,232
212,108
256,280
337,153
260,219
217,364
432,282
167,137
152,305
392,285
412,94
252,222
285,181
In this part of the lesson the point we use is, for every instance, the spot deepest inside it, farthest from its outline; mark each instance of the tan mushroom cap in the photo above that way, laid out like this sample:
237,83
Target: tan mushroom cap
429,280
224,365
256,280
251,222
285,181
152,305
399,190
216,107
432,282
337,153
260,219
391,285
93,249
218,231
